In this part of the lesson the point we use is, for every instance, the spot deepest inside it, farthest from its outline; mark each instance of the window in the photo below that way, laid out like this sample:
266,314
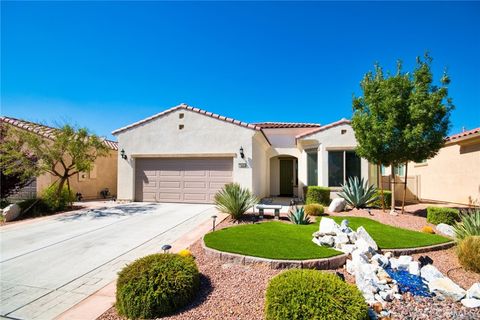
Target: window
341,166
400,170
312,167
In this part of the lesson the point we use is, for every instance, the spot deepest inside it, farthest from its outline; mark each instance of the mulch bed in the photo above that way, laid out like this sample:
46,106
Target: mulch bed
237,292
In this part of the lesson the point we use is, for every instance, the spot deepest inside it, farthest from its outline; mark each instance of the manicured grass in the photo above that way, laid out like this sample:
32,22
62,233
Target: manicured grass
277,240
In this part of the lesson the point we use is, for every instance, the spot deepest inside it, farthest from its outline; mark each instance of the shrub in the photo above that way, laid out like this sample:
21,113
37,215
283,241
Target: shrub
316,194
299,216
468,252
314,209
55,202
428,229
234,200
469,224
437,215
311,294
358,193
387,195
156,285
185,253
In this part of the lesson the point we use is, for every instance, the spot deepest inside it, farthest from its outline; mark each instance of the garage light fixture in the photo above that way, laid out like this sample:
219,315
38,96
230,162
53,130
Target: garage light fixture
241,153
123,155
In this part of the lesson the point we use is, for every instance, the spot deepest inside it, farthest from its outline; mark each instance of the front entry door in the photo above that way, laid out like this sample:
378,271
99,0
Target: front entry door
286,177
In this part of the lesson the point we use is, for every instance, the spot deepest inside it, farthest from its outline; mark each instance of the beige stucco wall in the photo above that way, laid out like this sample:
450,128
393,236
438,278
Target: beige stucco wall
453,175
260,166
104,175
201,135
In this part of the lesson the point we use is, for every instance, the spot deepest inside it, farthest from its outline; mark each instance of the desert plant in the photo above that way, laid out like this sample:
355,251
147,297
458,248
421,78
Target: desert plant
437,215
316,194
311,294
468,253
156,285
55,201
469,224
387,199
234,200
185,253
428,229
314,209
299,216
358,193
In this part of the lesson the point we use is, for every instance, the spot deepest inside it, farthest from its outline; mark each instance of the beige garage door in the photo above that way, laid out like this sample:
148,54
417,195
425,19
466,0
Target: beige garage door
194,180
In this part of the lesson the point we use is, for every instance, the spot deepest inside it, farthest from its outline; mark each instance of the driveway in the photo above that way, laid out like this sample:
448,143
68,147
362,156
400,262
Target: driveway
49,266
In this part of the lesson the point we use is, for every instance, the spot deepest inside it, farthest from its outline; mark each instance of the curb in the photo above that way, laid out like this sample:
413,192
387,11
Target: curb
410,251
319,264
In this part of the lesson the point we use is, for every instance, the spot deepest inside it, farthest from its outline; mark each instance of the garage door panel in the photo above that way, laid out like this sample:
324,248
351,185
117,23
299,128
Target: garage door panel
193,180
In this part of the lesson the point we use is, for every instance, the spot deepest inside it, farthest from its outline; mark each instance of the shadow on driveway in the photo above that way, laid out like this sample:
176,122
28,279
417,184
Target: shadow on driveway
105,212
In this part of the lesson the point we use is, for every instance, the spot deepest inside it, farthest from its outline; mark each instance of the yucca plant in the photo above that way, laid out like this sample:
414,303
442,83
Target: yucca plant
358,193
469,224
234,200
299,216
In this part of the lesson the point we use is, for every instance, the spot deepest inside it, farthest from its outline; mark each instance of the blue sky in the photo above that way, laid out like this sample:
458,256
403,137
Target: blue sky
106,64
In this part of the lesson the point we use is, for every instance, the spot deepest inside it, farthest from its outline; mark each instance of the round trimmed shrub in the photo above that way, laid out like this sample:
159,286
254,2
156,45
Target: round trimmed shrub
428,229
437,215
156,285
313,209
311,294
468,252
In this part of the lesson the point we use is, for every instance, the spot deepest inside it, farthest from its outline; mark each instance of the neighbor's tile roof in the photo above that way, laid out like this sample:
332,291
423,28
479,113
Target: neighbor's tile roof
461,135
323,128
276,125
45,131
187,107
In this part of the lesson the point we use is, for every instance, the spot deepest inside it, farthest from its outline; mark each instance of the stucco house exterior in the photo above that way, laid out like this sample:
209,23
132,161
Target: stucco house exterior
89,184
185,154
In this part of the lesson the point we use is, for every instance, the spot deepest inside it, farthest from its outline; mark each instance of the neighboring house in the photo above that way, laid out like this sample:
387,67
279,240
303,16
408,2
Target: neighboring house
185,154
89,184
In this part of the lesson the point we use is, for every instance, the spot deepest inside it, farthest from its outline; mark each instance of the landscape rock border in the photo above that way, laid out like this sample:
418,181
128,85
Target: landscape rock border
330,263
410,251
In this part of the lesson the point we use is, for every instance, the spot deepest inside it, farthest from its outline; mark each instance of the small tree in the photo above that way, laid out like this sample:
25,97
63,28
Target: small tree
401,117
67,152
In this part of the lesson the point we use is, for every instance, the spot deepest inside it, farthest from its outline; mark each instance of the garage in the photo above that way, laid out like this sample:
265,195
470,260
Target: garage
188,180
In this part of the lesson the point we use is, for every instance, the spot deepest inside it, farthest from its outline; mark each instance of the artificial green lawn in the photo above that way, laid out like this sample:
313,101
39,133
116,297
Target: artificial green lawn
278,240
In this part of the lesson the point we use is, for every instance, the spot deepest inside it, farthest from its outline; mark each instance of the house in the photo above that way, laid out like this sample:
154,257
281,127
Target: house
89,184
185,154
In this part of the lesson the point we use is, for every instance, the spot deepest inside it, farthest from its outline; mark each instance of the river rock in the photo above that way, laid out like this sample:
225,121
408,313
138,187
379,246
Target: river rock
446,229
363,234
446,288
474,291
11,212
471,302
429,273
337,205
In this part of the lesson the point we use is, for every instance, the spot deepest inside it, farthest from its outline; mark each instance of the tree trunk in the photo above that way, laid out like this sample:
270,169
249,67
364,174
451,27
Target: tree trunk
405,188
61,183
380,178
392,187
70,203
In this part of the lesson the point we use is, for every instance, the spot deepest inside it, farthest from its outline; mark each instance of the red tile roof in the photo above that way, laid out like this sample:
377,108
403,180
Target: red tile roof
187,107
45,131
325,127
276,125
461,135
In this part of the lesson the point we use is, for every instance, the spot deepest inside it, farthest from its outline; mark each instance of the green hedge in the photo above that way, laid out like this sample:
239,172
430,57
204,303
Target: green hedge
314,209
316,194
387,195
156,285
311,294
437,215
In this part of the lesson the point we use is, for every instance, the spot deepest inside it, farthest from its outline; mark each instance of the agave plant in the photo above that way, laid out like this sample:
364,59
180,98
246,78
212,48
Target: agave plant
234,200
358,193
469,224
299,216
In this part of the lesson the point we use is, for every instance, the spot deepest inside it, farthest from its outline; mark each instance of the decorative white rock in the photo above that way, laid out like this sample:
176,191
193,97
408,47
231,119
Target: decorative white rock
337,205
447,288
474,291
327,240
429,273
341,238
403,262
347,248
414,268
329,226
471,303
381,260
446,229
363,234
11,212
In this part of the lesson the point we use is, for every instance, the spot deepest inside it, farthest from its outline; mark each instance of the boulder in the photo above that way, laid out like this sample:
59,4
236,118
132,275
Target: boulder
429,273
474,291
414,268
326,241
11,212
344,226
471,303
446,229
340,239
403,262
363,234
365,248
446,288
329,226
381,260
337,205
387,296
347,248
352,236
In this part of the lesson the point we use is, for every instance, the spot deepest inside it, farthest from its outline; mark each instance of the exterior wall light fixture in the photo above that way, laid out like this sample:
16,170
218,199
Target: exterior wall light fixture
241,153
123,155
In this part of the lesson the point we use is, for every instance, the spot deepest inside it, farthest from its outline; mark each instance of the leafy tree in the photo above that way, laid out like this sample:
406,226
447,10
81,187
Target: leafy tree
402,117
67,152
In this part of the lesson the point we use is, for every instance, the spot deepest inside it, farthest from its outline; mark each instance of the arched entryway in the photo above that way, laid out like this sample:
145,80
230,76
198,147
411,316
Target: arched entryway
284,176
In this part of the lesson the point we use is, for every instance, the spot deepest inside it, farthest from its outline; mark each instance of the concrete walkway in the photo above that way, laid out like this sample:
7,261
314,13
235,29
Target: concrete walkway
49,266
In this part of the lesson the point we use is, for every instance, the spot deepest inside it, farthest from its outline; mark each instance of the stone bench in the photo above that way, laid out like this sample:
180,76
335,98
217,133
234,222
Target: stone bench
275,207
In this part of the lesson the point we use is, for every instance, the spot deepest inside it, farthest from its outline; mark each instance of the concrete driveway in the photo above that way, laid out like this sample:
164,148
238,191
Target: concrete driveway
48,266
